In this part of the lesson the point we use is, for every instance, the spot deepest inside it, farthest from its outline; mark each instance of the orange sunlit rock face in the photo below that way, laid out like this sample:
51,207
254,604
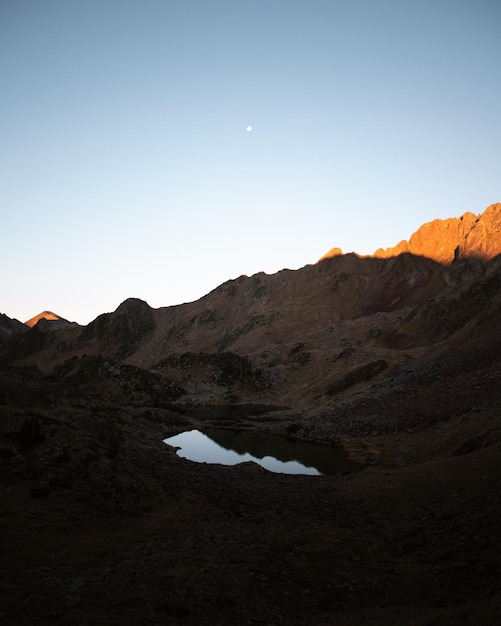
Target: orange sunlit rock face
332,252
48,315
468,236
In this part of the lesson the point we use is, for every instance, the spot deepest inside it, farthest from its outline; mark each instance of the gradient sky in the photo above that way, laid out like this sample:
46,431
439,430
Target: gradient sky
126,169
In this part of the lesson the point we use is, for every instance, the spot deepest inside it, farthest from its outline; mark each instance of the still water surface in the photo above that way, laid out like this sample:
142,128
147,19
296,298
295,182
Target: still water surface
274,453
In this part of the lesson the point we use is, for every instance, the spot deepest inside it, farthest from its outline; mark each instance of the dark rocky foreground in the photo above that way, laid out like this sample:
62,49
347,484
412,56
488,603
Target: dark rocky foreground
102,523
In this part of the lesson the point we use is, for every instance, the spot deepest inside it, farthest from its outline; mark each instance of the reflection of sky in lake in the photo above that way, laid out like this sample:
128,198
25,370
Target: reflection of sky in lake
196,446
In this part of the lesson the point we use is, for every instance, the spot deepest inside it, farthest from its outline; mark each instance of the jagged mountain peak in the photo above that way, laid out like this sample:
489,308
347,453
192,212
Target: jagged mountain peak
451,239
48,315
447,240
49,320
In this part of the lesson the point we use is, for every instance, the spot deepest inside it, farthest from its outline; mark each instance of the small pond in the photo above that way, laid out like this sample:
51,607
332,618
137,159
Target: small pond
274,453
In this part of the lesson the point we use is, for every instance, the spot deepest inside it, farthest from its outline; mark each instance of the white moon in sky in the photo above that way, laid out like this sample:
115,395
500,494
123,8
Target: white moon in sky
248,129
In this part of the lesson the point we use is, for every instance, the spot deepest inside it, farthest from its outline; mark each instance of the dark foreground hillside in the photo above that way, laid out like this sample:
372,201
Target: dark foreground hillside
102,523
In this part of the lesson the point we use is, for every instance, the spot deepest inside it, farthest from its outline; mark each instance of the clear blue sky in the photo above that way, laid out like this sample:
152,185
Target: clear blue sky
126,169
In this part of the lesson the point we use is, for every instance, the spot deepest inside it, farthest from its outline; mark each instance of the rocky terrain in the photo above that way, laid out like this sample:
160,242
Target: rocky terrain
393,357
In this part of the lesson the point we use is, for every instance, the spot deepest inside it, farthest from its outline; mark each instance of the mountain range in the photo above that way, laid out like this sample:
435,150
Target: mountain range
392,360
347,321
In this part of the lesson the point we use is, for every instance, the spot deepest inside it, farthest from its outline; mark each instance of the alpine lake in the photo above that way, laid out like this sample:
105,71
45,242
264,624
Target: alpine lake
275,453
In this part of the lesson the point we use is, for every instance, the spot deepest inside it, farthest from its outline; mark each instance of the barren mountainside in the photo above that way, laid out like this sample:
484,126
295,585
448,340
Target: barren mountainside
392,360
291,336
9,327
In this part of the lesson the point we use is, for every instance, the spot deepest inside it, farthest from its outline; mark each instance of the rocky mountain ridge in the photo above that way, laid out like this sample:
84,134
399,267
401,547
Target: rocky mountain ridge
445,241
297,335
44,321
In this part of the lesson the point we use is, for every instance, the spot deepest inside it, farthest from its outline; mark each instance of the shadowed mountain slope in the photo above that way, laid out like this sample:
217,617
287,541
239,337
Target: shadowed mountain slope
10,327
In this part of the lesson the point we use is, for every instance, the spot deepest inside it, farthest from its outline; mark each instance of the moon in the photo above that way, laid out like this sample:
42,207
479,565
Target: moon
248,129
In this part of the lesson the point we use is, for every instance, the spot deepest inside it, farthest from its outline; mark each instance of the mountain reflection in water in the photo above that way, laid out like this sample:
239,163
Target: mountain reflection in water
274,453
